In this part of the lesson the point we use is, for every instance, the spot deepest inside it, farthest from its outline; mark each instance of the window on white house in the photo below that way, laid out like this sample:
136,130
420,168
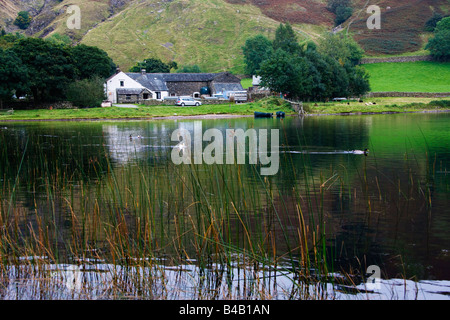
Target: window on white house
122,83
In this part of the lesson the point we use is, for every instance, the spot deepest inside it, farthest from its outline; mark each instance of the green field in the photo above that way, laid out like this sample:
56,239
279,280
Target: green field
423,76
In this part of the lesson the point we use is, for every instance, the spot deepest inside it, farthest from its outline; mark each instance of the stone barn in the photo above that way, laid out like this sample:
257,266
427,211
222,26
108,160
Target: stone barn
191,84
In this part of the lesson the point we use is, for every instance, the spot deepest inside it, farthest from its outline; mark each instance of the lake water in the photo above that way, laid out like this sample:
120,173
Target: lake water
389,209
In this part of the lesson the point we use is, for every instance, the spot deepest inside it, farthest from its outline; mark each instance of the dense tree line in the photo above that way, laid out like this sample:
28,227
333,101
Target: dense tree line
309,72
153,65
48,71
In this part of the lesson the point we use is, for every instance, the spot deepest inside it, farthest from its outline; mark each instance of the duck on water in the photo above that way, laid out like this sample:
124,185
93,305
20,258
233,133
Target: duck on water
364,152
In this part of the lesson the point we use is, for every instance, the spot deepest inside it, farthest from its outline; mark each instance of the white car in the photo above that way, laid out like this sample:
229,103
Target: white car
187,101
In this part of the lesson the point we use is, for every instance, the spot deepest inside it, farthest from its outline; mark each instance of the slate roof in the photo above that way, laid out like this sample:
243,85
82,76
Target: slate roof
157,81
152,81
189,77
129,90
224,87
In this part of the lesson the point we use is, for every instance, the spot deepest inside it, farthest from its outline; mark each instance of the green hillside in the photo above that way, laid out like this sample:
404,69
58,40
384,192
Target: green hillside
206,33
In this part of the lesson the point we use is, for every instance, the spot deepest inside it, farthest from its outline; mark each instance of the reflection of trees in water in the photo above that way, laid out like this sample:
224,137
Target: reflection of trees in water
393,220
68,152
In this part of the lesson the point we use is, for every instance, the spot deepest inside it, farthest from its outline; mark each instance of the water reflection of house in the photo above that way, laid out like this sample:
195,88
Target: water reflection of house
128,144
135,87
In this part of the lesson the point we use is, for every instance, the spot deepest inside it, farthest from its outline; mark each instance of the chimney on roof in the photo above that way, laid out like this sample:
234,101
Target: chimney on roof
117,70
143,71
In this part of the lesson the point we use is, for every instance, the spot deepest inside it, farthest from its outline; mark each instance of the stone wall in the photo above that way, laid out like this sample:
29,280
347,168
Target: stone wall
408,94
122,98
184,88
396,59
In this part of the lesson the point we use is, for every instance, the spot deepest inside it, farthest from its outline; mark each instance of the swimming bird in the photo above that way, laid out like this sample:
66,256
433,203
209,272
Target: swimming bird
365,152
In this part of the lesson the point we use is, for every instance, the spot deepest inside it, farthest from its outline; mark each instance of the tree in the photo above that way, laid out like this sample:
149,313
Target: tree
91,61
320,73
439,45
431,23
190,69
341,47
333,5
336,80
286,39
61,39
342,14
86,92
8,39
256,50
286,74
358,81
13,76
341,8
50,67
443,24
23,19
153,65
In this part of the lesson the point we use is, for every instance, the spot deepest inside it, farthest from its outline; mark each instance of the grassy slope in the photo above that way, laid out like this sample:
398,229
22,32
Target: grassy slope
207,33
421,76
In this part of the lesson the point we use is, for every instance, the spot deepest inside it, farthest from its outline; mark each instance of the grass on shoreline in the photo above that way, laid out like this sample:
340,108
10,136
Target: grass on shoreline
272,104
379,105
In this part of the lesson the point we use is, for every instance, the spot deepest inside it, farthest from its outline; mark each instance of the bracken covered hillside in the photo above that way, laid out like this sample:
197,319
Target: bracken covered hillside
402,25
293,11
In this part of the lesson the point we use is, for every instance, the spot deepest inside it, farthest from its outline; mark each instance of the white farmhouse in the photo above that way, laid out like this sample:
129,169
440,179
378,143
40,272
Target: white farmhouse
135,87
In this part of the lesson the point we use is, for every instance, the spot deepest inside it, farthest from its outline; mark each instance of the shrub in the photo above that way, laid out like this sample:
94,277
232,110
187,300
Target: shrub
342,14
439,45
431,23
440,103
23,20
86,92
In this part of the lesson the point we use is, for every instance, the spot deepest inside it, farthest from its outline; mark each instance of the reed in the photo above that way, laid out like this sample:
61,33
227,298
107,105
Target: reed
150,229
